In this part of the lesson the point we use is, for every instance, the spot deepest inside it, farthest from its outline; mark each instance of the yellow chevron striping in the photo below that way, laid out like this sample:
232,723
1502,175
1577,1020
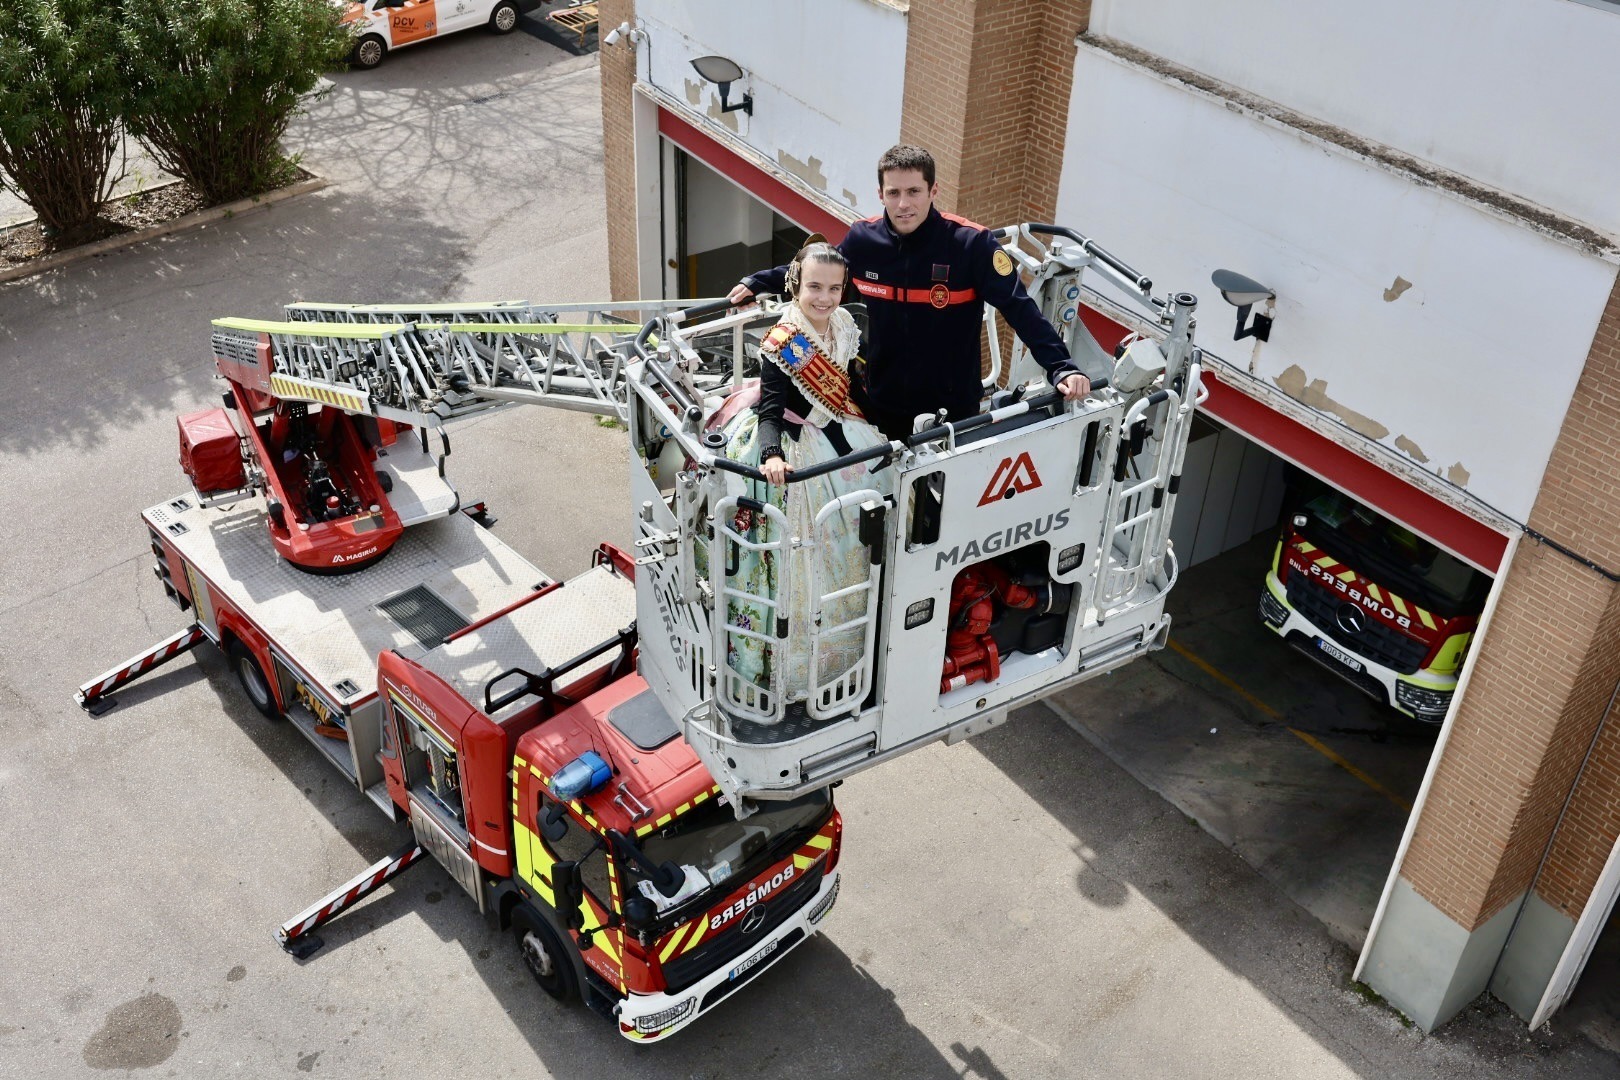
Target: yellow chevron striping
673,944
1306,547
1400,605
820,840
1372,591
804,862
1428,620
702,927
1347,575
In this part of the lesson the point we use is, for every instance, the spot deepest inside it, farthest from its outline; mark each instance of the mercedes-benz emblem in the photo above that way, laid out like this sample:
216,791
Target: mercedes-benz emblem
1351,619
753,919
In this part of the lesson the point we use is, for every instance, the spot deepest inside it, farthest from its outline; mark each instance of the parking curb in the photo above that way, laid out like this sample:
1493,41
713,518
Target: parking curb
179,224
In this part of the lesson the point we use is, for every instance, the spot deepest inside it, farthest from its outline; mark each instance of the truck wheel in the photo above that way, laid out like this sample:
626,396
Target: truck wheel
503,20
254,684
369,52
545,956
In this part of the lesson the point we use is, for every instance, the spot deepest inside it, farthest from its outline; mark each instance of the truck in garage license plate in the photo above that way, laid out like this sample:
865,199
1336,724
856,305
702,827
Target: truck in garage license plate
1341,656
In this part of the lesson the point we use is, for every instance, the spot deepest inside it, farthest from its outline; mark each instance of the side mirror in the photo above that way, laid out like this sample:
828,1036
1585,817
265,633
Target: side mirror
639,912
569,893
669,878
553,823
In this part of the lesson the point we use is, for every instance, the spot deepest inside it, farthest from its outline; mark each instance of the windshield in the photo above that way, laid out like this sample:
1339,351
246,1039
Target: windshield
1387,553
713,847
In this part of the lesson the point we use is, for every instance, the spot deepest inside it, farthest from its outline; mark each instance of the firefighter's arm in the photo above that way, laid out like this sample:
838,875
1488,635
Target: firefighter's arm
996,277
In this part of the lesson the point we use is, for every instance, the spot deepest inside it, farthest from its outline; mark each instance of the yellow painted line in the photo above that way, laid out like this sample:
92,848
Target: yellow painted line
1309,740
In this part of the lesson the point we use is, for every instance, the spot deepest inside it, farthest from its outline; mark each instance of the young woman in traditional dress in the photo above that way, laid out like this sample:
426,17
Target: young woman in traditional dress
805,416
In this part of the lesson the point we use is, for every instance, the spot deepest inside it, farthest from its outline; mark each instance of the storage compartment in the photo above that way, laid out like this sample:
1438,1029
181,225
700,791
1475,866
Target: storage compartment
211,452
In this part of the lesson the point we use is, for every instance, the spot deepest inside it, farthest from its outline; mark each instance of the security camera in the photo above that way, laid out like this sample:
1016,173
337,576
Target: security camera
616,33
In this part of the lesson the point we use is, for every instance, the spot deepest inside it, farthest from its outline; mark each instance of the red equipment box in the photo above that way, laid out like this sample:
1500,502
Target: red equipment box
211,451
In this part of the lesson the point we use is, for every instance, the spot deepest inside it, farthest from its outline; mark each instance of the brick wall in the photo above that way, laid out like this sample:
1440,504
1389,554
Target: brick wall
1543,678
618,72
998,132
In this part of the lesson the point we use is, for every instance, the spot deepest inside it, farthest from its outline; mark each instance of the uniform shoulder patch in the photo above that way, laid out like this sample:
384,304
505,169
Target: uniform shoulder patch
1002,262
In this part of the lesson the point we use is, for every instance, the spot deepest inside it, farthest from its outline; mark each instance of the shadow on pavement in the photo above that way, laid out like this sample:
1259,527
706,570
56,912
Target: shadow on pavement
95,378
1133,843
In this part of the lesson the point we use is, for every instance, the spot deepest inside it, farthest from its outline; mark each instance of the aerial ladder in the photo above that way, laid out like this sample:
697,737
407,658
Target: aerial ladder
1006,556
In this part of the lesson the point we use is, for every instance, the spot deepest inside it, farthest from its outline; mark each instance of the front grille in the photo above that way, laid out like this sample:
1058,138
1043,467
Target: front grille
731,943
1377,642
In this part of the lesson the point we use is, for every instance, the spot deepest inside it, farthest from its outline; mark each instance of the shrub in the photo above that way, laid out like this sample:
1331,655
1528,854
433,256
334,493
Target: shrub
215,82
60,89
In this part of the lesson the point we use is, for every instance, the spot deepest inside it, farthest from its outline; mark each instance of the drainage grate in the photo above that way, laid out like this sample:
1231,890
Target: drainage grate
420,613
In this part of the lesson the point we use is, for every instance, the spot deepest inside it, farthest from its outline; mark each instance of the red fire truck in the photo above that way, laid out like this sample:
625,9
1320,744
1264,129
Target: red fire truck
1370,600
655,826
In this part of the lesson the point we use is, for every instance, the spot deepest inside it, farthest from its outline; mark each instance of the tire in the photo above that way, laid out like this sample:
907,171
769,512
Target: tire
368,52
545,956
254,684
504,19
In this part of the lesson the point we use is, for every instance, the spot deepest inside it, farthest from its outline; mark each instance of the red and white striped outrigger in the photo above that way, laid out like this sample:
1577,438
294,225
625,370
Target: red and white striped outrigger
92,696
295,934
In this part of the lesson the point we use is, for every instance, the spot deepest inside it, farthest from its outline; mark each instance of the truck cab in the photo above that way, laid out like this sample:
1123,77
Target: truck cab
545,776
1370,600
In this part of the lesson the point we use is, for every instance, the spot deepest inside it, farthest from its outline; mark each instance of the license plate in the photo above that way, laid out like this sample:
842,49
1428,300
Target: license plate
1340,655
752,960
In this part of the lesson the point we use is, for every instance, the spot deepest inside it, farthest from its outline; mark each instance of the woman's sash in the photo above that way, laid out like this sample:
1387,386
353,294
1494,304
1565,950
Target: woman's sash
822,381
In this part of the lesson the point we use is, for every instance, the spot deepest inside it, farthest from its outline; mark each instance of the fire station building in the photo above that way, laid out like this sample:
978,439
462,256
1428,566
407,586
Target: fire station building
1423,191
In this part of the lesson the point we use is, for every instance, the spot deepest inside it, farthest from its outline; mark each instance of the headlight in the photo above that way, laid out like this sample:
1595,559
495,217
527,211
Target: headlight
663,1018
825,904
1424,703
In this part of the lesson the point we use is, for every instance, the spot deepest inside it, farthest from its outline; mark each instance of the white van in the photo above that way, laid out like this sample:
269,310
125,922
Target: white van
380,26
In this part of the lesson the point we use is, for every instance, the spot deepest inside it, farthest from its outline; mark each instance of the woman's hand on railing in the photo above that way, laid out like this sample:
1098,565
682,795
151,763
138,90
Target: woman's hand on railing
775,470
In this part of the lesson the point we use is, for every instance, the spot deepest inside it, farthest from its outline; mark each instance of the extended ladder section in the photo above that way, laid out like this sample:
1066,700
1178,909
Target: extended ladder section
947,579
425,364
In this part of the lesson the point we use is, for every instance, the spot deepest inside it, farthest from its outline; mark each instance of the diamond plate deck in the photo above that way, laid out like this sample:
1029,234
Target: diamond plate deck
420,493
329,625
586,611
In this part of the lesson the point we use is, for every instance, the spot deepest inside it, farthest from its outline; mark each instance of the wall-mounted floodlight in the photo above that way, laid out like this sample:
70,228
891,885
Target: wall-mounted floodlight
1243,293
723,72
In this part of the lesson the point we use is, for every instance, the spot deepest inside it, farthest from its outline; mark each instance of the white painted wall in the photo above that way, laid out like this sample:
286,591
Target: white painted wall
1517,94
1475,363
826,76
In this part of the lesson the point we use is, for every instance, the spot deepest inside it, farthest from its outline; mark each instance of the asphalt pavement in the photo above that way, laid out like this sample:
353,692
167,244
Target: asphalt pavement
1018,906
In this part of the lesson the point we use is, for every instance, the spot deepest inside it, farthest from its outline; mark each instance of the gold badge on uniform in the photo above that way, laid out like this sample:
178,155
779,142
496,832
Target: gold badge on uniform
1002,262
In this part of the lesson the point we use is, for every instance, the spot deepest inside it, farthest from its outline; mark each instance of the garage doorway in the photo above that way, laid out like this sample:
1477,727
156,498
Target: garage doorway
721,232
1289,762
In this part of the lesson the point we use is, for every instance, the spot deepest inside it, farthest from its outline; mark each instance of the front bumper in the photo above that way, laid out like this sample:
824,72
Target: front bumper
1421,696
647,1018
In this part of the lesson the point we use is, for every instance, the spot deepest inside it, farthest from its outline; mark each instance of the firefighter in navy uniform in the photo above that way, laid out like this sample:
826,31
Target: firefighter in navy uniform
925,277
